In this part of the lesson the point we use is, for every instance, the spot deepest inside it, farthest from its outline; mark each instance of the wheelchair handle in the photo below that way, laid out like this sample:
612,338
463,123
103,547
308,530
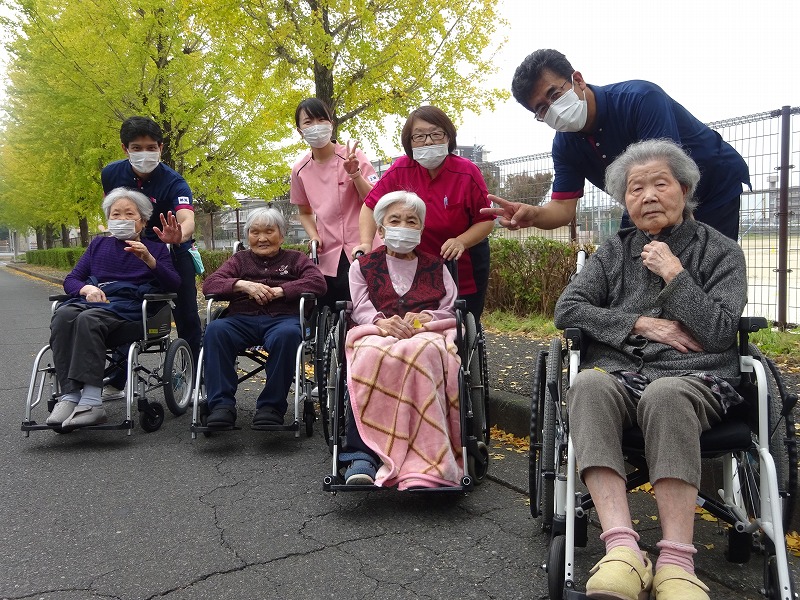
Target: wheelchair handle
315,251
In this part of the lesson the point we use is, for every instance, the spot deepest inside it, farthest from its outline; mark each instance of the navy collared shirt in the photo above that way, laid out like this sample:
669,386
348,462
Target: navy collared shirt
631,111
166,189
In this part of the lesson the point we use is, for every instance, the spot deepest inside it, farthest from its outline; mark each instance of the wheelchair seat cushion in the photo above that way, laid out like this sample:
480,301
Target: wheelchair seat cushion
726,436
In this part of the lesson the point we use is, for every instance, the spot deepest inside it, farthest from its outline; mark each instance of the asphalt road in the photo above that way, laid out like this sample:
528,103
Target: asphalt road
243,515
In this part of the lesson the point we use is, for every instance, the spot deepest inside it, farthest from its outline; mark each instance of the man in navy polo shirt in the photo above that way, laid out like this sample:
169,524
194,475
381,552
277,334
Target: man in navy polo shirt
595,124
173,215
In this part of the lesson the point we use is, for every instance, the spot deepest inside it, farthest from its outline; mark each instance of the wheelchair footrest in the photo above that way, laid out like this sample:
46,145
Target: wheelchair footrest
337,484
34,426
204,429
295,426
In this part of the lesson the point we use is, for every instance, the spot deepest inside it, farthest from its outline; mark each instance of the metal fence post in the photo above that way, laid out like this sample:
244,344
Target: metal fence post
783,217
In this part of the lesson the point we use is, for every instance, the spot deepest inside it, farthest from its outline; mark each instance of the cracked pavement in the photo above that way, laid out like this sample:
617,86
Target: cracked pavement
242,514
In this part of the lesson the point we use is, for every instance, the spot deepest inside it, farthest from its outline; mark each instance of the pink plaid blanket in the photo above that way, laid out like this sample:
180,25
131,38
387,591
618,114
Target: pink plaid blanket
404,395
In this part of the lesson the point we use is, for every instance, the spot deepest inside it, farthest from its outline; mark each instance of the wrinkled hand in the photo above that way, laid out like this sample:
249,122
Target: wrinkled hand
262,294
511,215
140,251
421,318
170,231
659,259
93,293
452,249
350,160
672,333
365,248
395,327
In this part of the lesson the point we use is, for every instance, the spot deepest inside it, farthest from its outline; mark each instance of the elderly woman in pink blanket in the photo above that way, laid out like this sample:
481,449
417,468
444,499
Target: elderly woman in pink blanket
402,360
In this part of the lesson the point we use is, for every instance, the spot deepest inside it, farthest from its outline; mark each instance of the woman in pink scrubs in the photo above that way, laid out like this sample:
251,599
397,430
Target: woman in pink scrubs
328,186
454,192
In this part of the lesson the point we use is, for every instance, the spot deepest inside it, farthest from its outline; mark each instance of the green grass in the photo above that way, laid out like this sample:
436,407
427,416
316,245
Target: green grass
782,346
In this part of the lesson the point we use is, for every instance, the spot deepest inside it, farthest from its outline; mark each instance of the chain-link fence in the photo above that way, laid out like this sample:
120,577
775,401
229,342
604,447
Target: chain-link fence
769,228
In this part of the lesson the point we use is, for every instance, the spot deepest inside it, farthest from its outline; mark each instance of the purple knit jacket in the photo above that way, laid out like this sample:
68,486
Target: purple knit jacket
106,259
289,269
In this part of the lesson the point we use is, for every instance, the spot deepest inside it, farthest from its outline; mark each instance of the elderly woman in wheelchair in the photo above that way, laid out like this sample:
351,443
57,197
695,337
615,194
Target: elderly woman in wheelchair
264,285
107,286
402,361
660,305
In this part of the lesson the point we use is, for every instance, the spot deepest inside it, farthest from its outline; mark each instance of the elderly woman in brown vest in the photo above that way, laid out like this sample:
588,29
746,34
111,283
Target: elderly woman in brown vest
402,362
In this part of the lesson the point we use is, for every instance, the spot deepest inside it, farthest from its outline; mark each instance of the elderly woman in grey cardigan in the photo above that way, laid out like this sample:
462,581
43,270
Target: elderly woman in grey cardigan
660,304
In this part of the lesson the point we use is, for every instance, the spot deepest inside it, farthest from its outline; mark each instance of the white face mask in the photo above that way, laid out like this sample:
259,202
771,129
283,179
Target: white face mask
430,157
122,229
318,136
146,161
401,239
568,113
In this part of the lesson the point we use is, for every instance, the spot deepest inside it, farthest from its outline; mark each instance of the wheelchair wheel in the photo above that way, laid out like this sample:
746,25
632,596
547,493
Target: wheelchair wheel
325,322
772,584
782,445
309,417
556,555
546,432
178,377
152,418
535,448
477,465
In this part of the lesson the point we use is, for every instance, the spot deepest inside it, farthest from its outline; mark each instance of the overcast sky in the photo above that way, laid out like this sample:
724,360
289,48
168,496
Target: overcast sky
719,59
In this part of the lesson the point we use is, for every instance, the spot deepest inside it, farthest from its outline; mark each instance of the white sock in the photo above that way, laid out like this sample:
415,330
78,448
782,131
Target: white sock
91,396
70,397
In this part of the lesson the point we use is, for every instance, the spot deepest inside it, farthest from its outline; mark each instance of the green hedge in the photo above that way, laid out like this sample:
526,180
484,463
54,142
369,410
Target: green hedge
58,258
528,277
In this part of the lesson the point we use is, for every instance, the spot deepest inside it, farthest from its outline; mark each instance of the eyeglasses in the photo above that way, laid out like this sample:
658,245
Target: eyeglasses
541,110
436,136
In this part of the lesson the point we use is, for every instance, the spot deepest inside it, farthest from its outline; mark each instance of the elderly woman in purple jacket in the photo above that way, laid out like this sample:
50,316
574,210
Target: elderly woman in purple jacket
107,285
264,285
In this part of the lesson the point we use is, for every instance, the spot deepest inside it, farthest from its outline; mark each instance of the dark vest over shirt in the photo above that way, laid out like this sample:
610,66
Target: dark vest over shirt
425,293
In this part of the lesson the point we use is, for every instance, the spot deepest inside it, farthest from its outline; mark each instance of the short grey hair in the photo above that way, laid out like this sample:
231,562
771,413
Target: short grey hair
271,217
409,200
683,168
142,202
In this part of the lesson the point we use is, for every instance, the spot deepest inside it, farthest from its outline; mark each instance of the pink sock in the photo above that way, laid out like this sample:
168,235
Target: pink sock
675,553
622,536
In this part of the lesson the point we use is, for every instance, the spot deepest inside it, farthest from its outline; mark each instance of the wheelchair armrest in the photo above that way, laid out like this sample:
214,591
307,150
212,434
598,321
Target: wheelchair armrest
461,304
574,336
346,305
752,324
59,297
158,297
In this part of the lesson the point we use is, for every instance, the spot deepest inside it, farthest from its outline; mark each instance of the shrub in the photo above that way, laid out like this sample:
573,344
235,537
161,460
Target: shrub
528,277
57,258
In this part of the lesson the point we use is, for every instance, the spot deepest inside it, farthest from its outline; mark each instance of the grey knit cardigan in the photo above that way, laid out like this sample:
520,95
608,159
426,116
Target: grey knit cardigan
614,289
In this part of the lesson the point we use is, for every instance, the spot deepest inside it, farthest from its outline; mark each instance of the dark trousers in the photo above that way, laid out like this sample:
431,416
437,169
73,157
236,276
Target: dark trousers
339,286
78,335
226,337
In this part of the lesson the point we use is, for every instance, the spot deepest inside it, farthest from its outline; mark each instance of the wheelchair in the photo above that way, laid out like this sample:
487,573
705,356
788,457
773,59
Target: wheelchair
256,362
473,402
755,444
174,372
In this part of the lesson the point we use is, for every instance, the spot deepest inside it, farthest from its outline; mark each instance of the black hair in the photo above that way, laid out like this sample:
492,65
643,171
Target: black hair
434,116
136,127
530,71
314,108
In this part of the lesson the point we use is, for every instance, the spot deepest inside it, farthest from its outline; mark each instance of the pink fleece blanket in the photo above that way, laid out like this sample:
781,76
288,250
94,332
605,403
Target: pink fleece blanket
404,395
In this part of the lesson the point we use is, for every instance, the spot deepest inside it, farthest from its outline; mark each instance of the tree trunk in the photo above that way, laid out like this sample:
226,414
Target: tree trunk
64,236
39,238
83,225
49,231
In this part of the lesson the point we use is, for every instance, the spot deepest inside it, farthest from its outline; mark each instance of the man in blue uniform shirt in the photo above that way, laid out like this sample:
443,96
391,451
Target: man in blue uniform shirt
173,214
595,124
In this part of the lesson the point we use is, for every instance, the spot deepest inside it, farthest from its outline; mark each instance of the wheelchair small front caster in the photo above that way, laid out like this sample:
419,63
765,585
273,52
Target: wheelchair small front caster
152,417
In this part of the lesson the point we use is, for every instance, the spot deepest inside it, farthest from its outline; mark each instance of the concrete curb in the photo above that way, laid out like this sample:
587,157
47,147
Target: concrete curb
510,412
22,269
